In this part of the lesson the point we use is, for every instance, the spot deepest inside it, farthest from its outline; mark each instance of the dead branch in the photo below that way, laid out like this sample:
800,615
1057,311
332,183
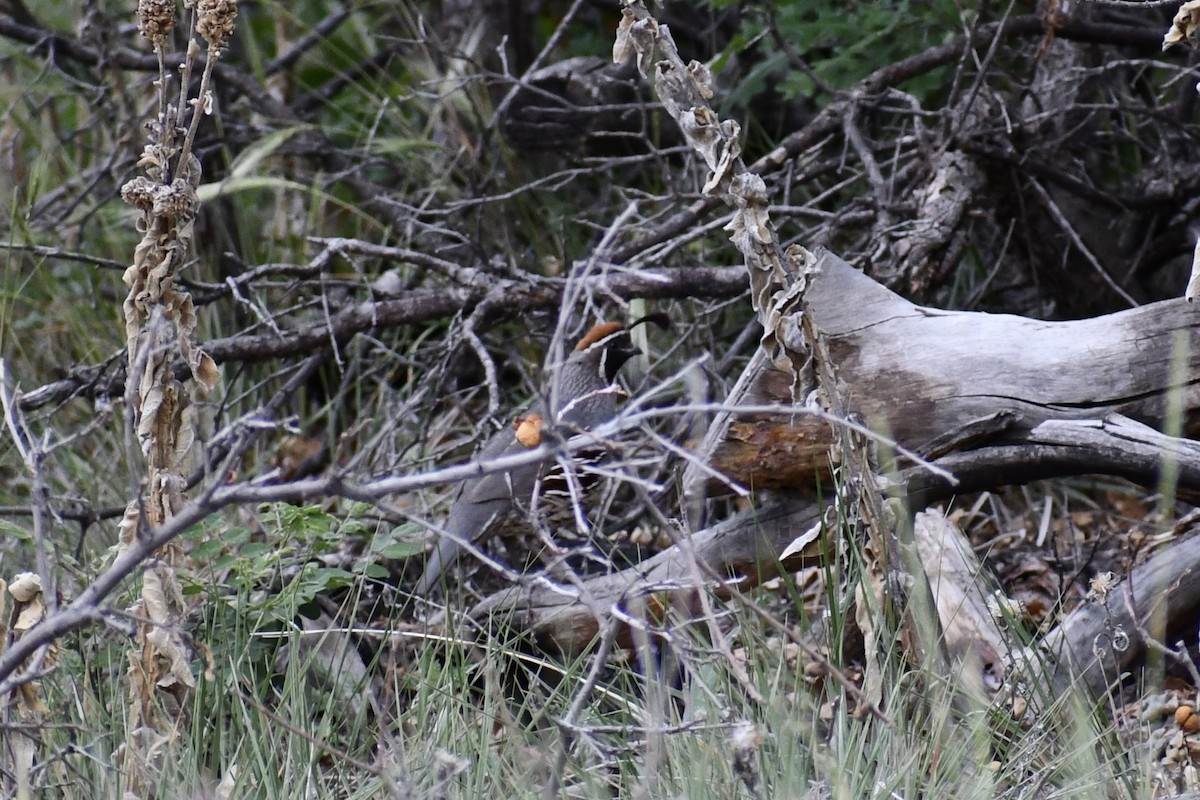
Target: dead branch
745,548
1101,640
414,307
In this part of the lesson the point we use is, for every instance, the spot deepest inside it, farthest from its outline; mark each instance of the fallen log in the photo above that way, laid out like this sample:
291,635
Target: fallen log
921,375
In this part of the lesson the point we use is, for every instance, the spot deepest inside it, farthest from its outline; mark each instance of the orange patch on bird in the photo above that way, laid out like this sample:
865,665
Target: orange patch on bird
598,332
529,430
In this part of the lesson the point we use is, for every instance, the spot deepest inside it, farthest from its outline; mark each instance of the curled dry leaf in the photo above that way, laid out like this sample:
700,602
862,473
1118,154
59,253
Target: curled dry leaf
801,542
25,587
128,526
776,279
165,429
685,92
29,610
701,75
30,614
203,368
1185,26
716,142
163,604
623,47
750,227
636,38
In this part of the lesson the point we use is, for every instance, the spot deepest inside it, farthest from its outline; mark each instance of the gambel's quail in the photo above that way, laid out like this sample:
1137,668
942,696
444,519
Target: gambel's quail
583,396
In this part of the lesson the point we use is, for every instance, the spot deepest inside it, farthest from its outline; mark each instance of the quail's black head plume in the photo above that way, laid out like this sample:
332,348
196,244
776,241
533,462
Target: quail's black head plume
585,396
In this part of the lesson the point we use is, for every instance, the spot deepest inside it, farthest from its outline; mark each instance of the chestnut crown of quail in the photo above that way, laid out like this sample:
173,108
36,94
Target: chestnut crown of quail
582,395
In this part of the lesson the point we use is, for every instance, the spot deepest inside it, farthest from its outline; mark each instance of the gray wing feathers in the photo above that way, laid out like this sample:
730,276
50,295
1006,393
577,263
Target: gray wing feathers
478,502
498,485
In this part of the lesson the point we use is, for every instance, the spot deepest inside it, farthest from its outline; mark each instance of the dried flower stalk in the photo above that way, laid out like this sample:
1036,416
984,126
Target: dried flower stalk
776,278
160,322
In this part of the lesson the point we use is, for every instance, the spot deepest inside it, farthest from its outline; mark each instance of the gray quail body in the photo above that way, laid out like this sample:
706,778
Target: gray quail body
498,503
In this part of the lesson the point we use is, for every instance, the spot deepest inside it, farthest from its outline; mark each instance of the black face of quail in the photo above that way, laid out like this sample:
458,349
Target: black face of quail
615,356
619,347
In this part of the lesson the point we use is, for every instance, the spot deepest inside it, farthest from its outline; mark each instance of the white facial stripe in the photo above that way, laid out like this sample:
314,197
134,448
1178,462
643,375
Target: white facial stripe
607,340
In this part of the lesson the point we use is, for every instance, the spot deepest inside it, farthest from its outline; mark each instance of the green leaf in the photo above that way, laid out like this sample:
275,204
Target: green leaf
399,550
373,571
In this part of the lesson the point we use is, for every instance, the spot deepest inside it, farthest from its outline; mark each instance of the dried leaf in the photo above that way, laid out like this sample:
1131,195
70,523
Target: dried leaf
801,542
170,647
701,76
204,369
635,39
127,527
25,587
29,610
31,613
1185,26
162,599
716,141
623,47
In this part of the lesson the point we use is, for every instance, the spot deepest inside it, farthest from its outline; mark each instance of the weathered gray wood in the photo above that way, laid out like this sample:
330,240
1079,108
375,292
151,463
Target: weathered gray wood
923,371
919,373
961,586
